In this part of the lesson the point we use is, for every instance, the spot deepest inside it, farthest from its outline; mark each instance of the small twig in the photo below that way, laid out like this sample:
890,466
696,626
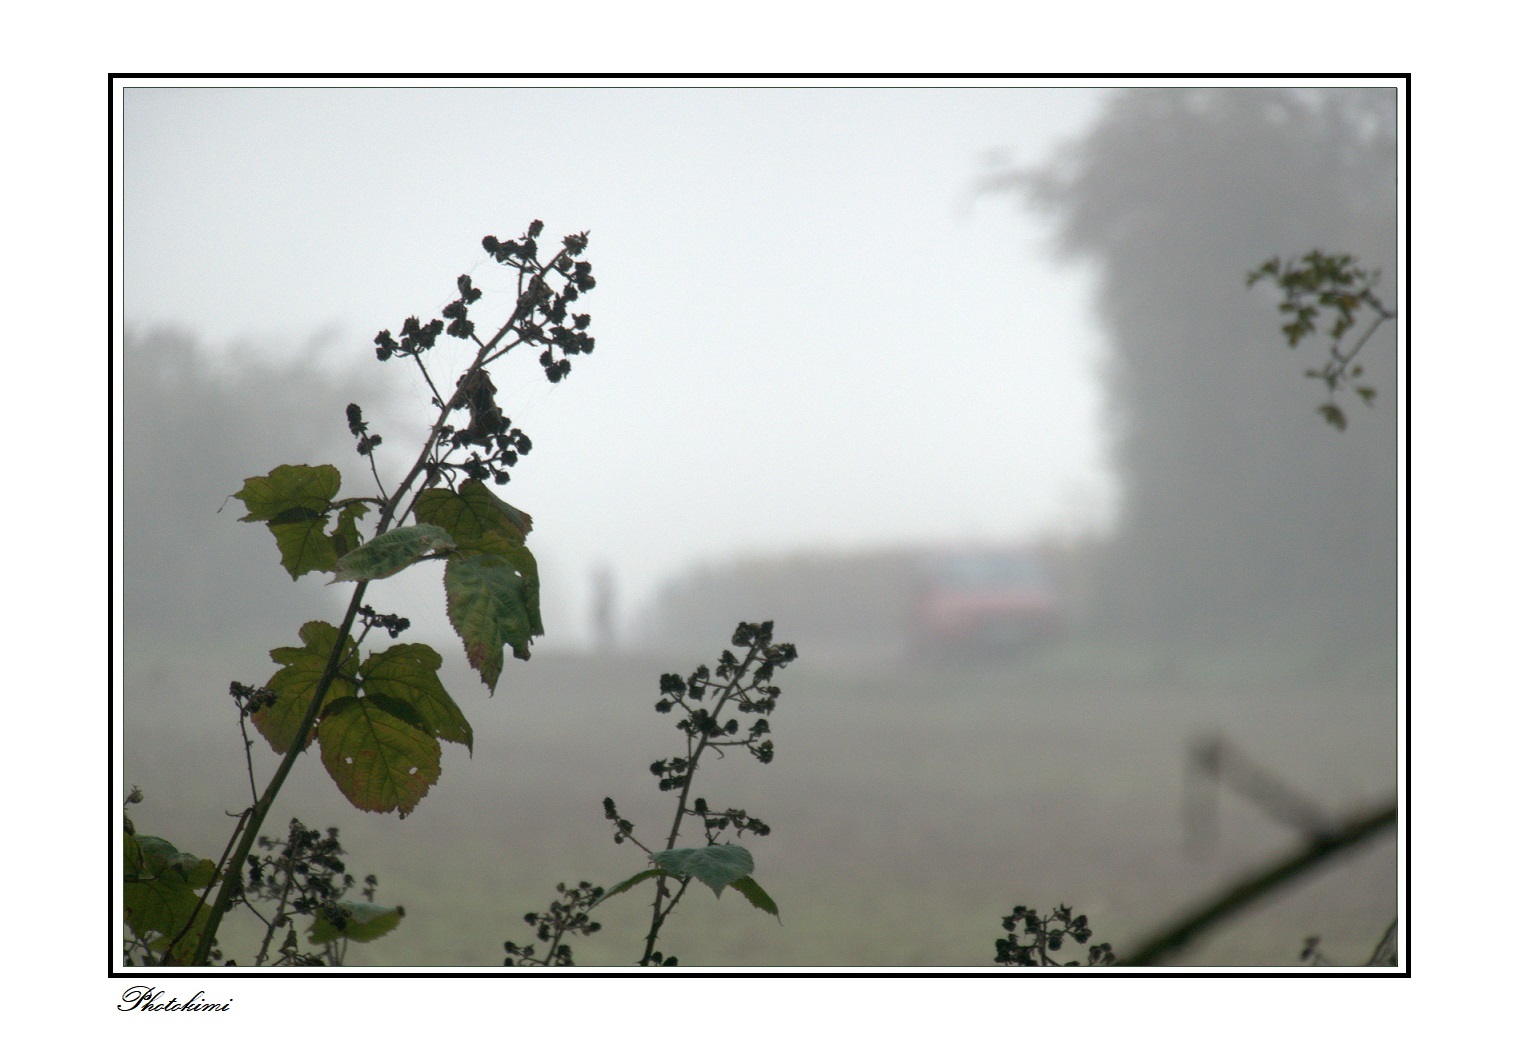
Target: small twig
243,730
1219,759
276,920
262,805
659,915
1387,951
1257,884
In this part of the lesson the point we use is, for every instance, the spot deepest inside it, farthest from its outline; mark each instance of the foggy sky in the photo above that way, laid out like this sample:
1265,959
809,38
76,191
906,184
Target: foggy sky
812,332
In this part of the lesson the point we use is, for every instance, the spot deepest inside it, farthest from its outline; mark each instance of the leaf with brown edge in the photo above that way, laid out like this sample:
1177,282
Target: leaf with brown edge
486,599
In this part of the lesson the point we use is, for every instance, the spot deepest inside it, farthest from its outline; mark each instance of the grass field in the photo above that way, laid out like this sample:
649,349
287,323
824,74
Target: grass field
911,808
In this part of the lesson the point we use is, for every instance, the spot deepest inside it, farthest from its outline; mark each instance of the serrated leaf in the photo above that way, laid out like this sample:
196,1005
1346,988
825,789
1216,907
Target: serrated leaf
472,514
288,487
524,564
489,604
346,536
715,865
358,922
378,761
630,883
292,501
162,891
157,858
400,709
523,561
297,680
392,552
475,492
755,895
409,671
305,545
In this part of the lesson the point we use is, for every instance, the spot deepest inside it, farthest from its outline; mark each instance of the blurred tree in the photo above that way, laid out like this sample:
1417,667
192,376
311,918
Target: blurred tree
193,426
1242,518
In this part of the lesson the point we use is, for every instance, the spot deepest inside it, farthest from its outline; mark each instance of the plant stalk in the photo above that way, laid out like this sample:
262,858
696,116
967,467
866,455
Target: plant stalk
262,806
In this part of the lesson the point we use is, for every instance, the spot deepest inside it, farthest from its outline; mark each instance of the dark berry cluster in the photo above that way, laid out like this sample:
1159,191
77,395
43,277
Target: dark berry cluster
455,312
671,773
541,313
565,916
1044,936
416,339
303,875
251,700
716,822
702,698
742,682
623,827
541,318
507,251
391,623
488,429
359,428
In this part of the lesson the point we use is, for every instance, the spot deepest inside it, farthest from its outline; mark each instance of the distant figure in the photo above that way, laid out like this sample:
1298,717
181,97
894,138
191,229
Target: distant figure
603,609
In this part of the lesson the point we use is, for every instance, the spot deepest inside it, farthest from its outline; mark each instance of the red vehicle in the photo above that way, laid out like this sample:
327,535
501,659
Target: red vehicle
984,602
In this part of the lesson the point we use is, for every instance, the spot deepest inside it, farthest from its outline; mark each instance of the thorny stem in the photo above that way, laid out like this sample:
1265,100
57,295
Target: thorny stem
243,730
659,913
425,372
375,475
261,807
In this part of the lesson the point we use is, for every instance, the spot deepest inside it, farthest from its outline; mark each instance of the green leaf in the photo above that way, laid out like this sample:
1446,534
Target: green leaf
400,709
476,493
292,501
161,892
756,896
357,921
408,672
524,564
716,865
305,545
486,606
297,681
630,883
473,514
490,602
156,857
377,760
346,537
392,552
288,487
